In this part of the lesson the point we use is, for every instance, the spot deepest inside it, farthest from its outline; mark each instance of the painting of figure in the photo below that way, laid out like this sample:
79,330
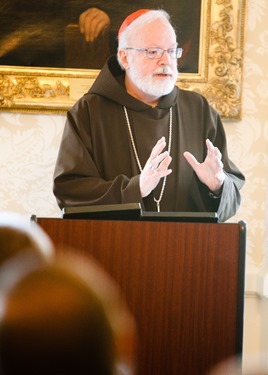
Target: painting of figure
81,34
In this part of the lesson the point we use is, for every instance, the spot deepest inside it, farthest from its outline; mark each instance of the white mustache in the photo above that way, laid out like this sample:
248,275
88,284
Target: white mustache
163,70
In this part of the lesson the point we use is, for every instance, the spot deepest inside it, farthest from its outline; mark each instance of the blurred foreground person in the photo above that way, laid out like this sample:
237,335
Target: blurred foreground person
64,318
19,235
252,365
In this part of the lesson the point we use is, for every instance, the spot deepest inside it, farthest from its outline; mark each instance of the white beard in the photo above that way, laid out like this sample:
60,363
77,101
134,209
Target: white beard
152,86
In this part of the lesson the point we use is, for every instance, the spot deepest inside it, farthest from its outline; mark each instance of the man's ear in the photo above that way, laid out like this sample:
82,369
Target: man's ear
124,58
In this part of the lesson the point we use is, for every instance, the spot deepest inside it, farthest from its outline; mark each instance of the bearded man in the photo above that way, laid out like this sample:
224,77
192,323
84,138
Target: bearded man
136,137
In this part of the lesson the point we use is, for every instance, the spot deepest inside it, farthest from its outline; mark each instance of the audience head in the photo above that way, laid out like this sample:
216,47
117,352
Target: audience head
64,317
251,365
19,235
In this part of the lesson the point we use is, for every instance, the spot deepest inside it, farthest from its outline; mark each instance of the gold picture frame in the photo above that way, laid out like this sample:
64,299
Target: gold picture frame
219,77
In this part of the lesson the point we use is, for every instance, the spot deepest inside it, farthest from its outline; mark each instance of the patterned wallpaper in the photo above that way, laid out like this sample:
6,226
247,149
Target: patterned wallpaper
29,144
28,149
248,139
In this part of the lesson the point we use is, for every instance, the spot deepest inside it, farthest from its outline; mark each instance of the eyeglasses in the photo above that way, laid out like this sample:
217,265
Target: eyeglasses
157,53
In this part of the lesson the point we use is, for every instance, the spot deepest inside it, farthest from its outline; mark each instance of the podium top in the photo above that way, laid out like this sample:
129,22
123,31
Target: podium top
133,211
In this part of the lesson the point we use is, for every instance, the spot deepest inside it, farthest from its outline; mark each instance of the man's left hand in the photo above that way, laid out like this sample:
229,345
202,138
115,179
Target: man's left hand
210,172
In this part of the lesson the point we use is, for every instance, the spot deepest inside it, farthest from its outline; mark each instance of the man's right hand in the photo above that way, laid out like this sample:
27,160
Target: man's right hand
155,168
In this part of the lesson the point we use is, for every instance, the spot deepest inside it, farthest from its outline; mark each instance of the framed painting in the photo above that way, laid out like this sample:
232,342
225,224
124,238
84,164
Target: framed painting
46,72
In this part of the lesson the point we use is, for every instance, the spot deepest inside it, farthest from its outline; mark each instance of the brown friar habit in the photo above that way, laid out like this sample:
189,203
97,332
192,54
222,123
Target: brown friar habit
96,163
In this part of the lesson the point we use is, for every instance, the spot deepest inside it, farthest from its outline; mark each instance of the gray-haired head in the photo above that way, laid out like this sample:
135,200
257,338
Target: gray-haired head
134,22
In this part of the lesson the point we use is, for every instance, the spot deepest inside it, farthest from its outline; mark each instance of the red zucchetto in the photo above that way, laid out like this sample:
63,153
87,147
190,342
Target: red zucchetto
132,17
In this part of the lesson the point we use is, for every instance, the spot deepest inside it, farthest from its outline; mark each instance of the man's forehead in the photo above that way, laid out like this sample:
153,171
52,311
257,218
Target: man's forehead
154,32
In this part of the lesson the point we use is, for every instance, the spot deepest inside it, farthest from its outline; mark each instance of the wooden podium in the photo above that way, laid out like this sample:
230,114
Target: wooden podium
183,282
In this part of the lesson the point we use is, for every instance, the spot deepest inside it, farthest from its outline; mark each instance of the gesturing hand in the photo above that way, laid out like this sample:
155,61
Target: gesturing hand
210,172
155,168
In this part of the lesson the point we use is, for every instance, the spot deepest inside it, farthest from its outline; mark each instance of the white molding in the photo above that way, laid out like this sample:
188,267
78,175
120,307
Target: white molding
256,283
